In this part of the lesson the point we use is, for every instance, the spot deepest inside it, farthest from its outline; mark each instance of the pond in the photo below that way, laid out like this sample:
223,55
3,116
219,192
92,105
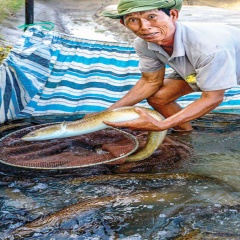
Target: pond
198,198
180,197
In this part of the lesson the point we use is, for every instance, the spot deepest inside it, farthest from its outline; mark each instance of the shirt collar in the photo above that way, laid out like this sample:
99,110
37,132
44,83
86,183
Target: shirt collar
178,47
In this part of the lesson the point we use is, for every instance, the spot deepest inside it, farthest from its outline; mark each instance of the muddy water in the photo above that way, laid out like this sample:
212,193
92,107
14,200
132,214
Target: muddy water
198,198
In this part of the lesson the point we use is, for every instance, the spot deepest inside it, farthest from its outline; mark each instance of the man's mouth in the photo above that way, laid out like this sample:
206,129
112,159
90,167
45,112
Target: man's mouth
149,35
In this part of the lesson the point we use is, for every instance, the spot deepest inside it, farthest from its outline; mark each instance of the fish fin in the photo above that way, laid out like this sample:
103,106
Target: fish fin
63,125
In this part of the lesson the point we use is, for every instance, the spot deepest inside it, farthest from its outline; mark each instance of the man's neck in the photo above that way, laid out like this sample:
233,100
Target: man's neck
168,49
168,45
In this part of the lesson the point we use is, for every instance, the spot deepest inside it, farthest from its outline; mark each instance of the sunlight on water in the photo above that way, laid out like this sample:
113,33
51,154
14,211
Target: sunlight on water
217,154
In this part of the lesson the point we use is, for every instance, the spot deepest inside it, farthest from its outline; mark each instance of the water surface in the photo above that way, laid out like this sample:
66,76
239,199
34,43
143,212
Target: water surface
197,198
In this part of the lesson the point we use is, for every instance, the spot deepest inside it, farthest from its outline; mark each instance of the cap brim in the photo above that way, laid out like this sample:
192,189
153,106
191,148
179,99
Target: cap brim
112,14
115,15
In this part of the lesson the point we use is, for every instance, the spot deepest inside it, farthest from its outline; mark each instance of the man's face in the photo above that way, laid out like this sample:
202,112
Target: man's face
153,26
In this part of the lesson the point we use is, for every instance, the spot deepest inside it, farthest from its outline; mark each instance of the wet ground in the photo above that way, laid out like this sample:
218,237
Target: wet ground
82,17
197,198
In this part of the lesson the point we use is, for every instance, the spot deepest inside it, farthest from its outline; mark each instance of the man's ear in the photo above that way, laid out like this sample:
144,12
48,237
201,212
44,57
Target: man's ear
174,14
122,22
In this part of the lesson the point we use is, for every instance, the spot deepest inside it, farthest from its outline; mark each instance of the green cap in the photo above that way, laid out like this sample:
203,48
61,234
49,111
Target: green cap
130,6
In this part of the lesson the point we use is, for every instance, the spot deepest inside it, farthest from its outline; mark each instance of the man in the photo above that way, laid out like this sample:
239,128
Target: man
204,58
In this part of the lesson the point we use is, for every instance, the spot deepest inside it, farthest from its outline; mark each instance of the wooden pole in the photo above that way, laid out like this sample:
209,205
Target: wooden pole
29,12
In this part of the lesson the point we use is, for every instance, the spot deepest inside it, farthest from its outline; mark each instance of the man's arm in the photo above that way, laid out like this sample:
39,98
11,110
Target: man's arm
208,101
148,84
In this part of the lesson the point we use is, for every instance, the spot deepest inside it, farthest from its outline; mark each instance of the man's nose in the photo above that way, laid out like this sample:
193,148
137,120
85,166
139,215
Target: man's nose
144,24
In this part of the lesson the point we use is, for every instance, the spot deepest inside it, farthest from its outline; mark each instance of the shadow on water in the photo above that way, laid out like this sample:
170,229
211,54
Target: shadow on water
197,198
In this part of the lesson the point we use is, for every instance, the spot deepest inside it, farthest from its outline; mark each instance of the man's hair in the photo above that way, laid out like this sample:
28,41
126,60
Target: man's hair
165,10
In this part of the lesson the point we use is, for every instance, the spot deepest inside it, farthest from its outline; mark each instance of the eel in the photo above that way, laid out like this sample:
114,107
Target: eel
11,126
82,209
96,122
54,220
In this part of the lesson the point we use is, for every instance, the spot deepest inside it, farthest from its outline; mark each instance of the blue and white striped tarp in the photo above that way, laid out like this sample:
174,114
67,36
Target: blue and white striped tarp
49,73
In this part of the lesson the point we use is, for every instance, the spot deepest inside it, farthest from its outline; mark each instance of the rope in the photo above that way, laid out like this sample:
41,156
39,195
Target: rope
43,24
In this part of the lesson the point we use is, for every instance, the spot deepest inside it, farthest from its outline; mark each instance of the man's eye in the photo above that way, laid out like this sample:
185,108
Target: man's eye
151,16
132,20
